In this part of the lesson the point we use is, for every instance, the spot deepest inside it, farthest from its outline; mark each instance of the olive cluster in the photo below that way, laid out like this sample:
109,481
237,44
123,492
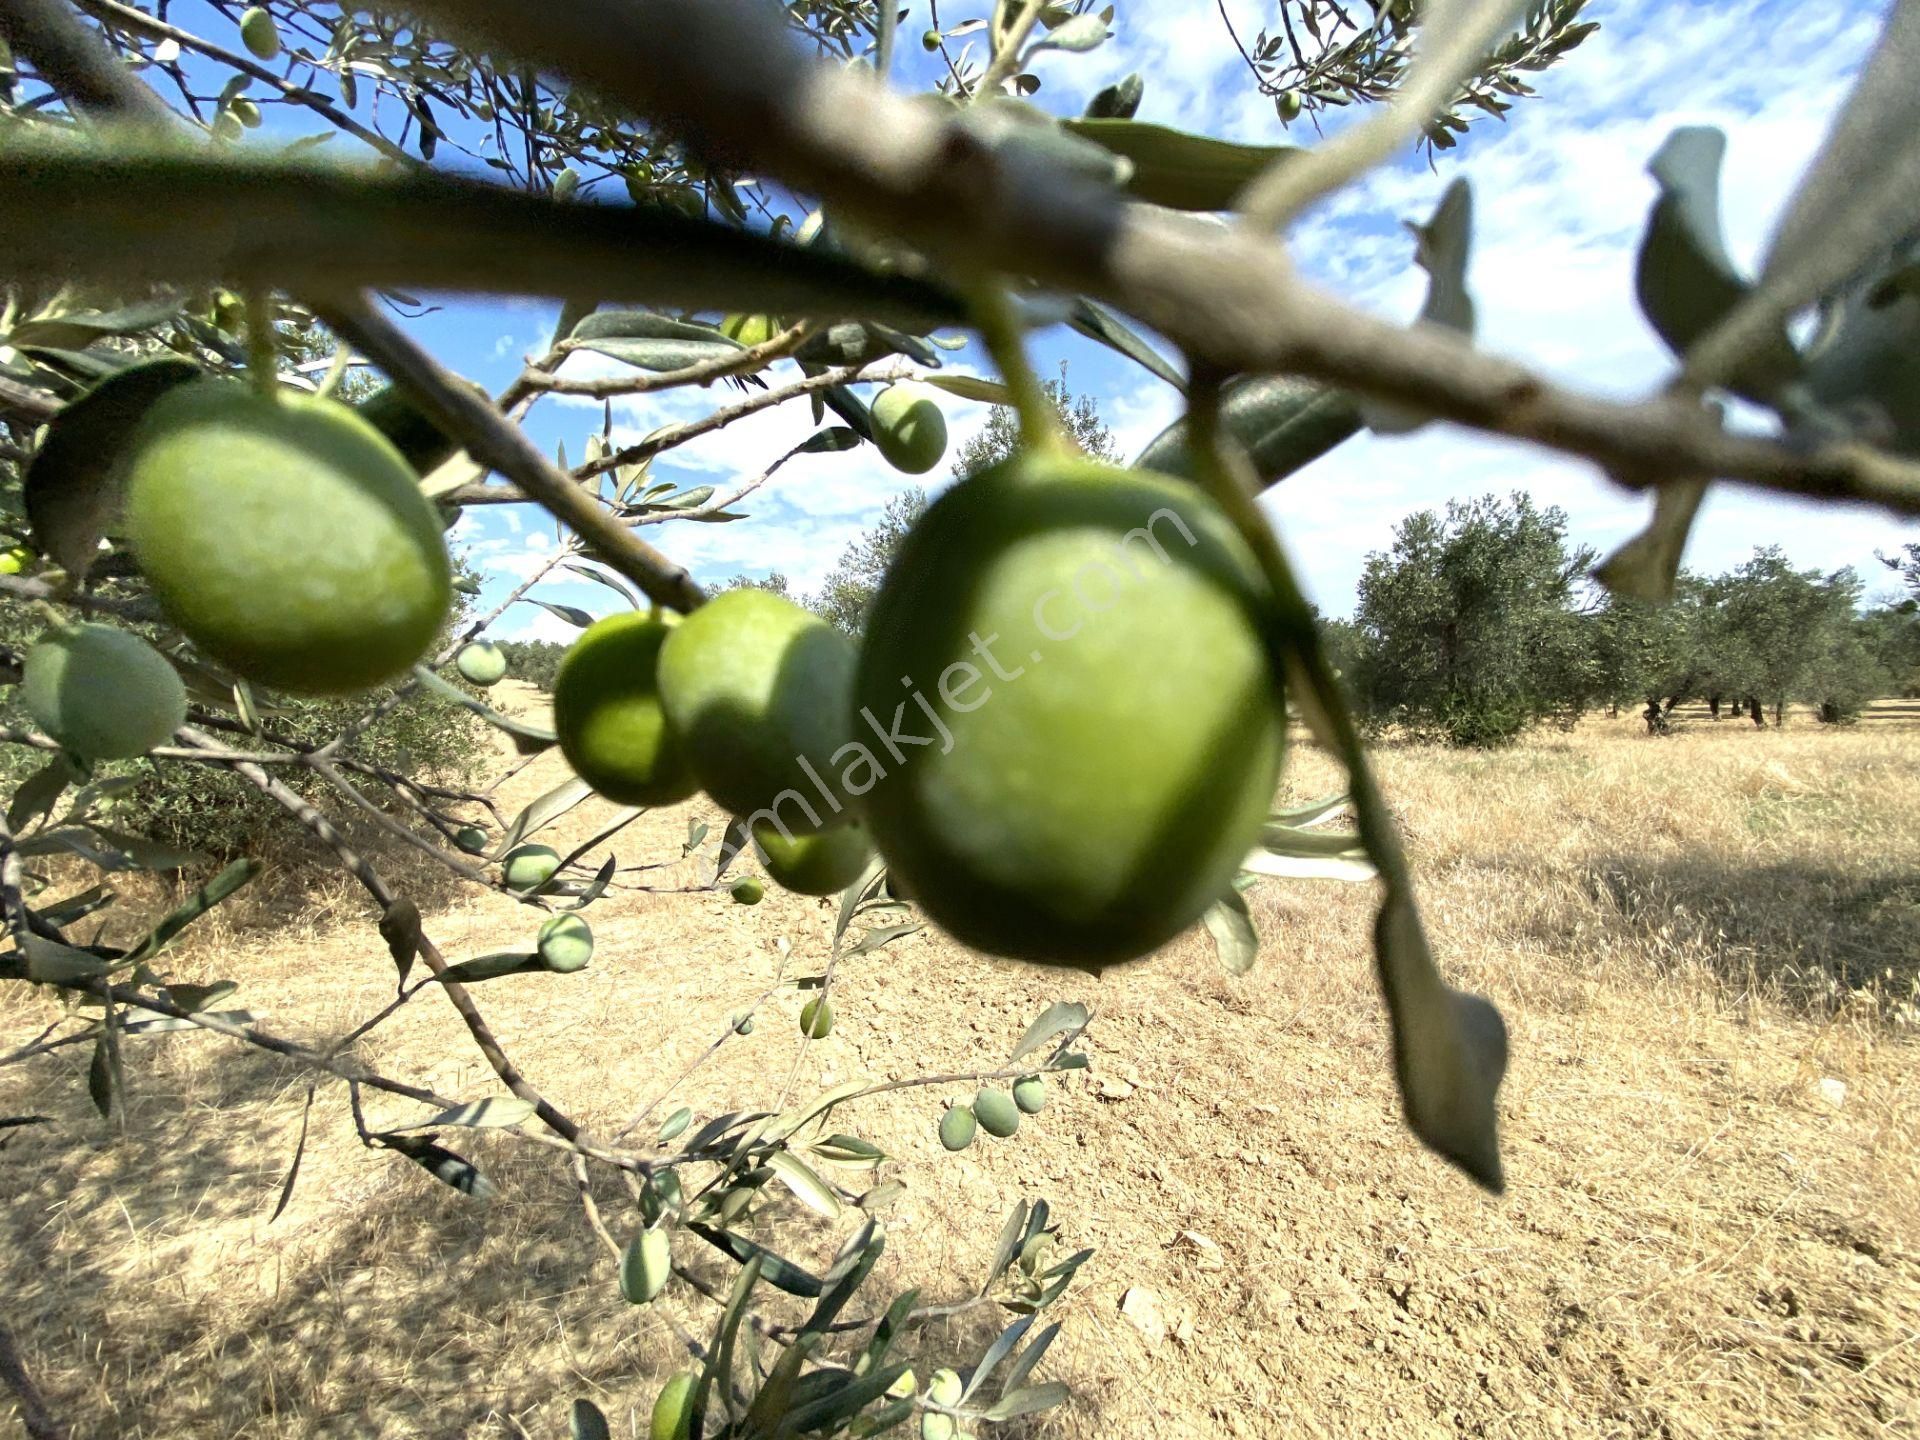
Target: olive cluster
1061,730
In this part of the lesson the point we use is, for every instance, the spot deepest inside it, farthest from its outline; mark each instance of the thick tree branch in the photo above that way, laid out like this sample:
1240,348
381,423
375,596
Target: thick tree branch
729,78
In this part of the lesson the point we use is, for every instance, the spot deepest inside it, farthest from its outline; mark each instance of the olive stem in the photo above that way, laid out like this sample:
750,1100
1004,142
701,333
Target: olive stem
999,327
263,345
336,372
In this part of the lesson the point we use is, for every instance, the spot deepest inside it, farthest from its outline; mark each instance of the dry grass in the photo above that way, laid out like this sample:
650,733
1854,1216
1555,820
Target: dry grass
1687,936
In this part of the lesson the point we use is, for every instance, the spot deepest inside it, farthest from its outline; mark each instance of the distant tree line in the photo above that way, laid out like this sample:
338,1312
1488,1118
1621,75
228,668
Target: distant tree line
1481,622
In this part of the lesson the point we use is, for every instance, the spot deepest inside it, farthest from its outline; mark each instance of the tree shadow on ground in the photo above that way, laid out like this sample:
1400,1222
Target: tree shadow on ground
1812,933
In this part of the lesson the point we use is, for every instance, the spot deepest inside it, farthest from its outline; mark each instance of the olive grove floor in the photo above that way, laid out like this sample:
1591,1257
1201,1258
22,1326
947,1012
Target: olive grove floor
1703,1236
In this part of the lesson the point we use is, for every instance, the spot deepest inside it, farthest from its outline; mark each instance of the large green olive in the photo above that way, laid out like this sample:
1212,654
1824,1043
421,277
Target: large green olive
259,33
672,1417
1101,727
482,663
529,865
102,693
758,691
606,710
286,537
823,864
565,944
909,427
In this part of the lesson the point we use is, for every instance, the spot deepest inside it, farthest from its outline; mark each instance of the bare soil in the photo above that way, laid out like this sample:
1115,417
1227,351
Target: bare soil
1693,939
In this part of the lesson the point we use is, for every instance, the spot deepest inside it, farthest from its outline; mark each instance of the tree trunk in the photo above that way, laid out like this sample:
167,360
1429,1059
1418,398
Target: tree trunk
1779,713
1758,715
1713,704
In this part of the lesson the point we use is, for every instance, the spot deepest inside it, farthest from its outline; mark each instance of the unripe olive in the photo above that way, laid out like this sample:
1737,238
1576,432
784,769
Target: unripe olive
750,330
996,1112
944,1389
566,183
1030,1094
823,864
909,427
747,890
15,560
816,1018
530,865
1091,639
607,712
102,693
565,944
758,691
1287,105
247,113
482,663
957,1127
930,41
286,537
259,34
743,1025
672,1417
471,838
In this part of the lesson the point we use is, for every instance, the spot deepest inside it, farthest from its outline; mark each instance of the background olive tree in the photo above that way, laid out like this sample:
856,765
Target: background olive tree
601,149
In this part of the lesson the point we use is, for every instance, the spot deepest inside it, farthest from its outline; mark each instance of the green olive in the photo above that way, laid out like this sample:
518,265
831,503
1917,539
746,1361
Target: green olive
930,41
259,34
482,663
607,712
1090,638
816,1018
909,427
758,691
996,1112
101,692
247,113
823,864
957,1127
471,838
286,537
566,183
1030,1094
672,1417
1287,105
747,890
750,330
565,944
529,865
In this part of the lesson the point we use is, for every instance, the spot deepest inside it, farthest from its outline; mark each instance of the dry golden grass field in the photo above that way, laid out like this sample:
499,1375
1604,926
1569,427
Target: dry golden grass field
1703,1236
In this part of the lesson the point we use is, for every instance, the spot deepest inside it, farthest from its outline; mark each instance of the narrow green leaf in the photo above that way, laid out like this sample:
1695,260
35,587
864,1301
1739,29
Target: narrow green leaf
494,966
1230,926
527,739
1282,424
812,1191
1646,566
38,793
72,490
229,880
1022,1367
844,1402
1002,1346
971,387
543,811
1096,322
848,1273
676,1124
779,1273
1027,1402
572,614
1011,1234
891,1326
585,1422
293,1170
1056,1019
400,928
1177,169
80,329
103,1079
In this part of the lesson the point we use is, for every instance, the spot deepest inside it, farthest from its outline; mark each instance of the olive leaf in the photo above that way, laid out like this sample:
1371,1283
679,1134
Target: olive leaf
1646,566
293,1169
972,387
650,341
1058,1018
586,1422
1441,248
220,887
450,1169
527,739
1177,169
1117,101
779,1273
72,491
38,793
421,442
1230,926
1863,368
1096,322
500,1112
80,329
1281,424
1863,187
1684,279
400,928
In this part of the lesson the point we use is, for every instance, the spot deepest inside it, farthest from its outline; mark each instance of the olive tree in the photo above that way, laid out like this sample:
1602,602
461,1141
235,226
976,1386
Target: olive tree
159,270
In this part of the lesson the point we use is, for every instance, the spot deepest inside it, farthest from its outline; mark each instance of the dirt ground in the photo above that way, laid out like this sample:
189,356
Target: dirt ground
1705,946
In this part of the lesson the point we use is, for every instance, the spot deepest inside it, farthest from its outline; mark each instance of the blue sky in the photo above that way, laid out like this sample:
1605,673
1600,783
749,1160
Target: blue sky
1561,192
